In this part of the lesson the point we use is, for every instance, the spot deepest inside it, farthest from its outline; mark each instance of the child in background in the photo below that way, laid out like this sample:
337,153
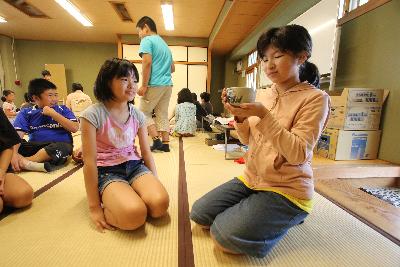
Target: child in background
49,127
185,115
252,212
78,101
14,191
46,75
8,105
200,113
28,101
205,102
121,185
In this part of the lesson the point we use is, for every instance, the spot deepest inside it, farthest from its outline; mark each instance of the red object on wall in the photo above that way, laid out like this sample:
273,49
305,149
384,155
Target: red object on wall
17,82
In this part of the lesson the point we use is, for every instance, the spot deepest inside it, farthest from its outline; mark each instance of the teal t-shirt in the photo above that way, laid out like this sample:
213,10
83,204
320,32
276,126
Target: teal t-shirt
161,60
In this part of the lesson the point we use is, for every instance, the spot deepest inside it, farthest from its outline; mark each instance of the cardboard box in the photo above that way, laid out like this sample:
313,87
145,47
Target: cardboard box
348,145
355,117
357,109
366,96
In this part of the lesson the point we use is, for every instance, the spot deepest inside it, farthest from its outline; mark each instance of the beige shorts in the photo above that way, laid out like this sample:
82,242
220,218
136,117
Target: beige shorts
157,99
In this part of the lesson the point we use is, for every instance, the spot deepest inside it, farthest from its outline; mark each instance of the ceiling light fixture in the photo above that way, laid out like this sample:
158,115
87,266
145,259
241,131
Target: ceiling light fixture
2,20
74,11
168,16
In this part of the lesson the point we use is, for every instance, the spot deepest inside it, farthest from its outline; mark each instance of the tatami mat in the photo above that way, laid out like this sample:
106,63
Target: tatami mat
39,179
329,237
56,230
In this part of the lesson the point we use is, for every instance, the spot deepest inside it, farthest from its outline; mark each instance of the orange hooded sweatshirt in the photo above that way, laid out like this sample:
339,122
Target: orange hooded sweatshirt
281,144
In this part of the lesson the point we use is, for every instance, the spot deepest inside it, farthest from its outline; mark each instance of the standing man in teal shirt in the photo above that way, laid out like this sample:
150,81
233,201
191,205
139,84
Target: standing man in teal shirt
156,89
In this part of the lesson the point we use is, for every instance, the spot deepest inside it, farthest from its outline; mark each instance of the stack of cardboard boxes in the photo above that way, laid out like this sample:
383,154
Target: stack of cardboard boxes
353,128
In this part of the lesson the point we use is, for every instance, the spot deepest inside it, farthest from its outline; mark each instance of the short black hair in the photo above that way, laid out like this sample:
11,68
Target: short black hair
205,96
27,97
112,68
38,86
147,21
77,86
185,95
194,97
46,73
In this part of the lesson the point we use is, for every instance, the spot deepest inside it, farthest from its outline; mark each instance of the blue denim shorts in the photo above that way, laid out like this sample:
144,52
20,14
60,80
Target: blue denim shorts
244,220
125,172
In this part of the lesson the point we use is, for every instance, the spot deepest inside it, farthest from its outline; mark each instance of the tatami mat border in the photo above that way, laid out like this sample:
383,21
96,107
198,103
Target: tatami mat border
185,245
7,211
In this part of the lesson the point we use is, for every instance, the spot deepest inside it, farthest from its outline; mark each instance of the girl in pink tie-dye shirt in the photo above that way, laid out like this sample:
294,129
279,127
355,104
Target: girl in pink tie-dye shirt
121,183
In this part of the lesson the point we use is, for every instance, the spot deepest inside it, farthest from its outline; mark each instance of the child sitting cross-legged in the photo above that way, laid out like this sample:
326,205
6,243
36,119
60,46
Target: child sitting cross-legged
49,127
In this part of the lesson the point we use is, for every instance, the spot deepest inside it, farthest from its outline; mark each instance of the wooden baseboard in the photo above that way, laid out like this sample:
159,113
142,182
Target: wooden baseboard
382,216
355,171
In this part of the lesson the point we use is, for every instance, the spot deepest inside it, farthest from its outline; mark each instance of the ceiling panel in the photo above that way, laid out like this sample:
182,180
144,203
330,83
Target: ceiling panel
192,18
243,17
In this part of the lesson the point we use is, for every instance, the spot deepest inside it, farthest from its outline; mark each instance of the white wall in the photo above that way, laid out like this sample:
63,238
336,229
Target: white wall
320,21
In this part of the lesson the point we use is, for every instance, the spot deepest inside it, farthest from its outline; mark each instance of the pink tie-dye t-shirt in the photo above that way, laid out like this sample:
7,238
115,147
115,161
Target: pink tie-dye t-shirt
115,141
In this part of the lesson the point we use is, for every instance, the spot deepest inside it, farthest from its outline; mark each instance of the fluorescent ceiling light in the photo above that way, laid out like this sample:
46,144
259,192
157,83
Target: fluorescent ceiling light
322,26
74,11
168,16
2,20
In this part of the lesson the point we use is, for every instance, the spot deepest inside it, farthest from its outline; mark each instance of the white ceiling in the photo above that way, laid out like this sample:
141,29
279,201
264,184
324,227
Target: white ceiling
192,18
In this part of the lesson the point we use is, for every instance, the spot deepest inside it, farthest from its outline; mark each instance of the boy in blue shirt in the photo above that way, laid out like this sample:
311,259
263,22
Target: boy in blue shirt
49,127
156,89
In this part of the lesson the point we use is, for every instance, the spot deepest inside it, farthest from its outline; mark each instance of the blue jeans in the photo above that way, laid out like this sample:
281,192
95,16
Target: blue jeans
244,220
126,172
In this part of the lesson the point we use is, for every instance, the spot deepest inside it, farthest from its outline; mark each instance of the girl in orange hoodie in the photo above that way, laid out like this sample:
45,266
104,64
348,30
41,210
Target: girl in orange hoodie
253,211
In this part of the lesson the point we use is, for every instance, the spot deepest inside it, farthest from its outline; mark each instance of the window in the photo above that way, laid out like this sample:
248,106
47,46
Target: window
351,9
251,71
349,5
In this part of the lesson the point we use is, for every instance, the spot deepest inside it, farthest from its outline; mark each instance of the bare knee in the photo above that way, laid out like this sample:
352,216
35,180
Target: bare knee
158,205
21,198
131,217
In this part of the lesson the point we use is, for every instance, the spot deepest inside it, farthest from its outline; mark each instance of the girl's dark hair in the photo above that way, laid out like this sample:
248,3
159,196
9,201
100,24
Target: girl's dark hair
147,21
294,39
206,96
185,95
194,97
6,93
112,68
77,86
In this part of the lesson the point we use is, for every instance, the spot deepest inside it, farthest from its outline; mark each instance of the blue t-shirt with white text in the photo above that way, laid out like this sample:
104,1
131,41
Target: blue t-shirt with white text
42,128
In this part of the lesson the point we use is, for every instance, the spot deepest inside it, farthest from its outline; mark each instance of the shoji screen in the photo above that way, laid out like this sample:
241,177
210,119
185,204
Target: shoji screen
130,52
197,79
179,79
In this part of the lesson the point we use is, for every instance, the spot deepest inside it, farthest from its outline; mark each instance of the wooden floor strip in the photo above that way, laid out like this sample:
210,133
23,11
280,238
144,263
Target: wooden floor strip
185,245
379,215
